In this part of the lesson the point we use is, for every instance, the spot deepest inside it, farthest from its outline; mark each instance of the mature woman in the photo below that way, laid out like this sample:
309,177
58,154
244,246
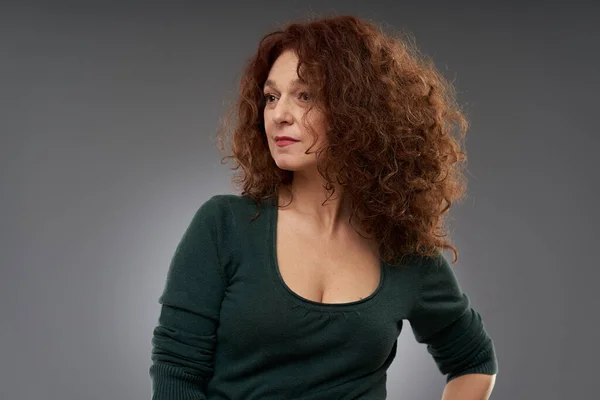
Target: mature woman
297,288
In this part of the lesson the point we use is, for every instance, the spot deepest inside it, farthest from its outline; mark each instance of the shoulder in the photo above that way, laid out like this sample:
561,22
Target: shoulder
228,217
420,265
426,265
435,272
221,202
230,204
230,211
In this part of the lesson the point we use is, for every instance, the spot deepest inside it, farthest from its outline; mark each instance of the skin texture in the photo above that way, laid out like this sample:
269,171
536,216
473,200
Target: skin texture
470,387
286,104
288,112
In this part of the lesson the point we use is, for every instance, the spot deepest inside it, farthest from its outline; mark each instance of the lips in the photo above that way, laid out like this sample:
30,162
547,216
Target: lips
285,138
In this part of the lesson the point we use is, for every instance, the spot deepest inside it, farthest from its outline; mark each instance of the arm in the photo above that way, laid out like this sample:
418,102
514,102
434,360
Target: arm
453,331
470,387
184,340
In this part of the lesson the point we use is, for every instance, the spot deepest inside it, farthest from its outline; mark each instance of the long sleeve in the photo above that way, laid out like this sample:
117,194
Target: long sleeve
184,340
444,320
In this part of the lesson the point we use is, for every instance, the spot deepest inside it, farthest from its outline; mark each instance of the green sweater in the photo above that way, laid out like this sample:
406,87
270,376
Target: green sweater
230,328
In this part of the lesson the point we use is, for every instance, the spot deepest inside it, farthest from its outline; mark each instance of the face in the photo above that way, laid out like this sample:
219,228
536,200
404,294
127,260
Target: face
286,104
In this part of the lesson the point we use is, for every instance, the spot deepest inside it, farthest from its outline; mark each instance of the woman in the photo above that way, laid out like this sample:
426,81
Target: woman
298,287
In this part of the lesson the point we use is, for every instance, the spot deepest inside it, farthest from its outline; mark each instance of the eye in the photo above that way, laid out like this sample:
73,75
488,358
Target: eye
269,97
304,96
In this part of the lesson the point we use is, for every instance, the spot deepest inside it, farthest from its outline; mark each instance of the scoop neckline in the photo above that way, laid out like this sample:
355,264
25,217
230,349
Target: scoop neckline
298,299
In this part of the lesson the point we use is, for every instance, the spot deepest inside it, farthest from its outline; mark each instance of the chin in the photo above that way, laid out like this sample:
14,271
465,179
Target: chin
285,165
288,164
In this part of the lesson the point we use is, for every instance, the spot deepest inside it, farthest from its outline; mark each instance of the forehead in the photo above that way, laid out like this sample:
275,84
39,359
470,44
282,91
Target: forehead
284,71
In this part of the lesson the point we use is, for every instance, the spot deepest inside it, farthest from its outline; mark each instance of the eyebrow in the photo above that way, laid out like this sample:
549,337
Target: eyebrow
295,82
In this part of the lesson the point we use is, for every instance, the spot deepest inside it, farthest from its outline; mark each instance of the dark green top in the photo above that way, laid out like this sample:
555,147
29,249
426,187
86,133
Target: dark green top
230,328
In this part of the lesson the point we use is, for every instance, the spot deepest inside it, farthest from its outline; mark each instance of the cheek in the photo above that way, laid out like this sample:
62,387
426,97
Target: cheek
318,126
267,122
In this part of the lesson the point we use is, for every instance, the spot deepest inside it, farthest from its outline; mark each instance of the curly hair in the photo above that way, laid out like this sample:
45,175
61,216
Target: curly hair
394,130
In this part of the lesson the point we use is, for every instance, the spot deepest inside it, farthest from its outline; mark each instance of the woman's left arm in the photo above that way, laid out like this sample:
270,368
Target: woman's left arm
443,318
470,387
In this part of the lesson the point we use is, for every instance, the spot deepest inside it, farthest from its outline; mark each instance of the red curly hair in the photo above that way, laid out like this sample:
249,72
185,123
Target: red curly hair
394,130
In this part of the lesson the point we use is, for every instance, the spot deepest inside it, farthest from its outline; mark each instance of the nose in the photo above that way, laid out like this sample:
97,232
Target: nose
281,112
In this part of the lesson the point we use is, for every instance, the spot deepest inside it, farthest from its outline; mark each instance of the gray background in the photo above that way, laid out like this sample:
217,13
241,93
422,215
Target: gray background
107,118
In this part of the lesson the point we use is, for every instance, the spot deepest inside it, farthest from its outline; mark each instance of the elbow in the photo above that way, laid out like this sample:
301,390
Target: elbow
484,362
464,348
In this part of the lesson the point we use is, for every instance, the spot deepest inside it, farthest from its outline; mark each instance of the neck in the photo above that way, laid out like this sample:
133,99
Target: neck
308,197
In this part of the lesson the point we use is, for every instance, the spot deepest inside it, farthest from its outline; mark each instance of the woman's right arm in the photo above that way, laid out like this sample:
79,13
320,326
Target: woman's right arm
184,340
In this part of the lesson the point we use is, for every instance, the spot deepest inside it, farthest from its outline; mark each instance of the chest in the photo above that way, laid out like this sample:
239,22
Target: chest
332,271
